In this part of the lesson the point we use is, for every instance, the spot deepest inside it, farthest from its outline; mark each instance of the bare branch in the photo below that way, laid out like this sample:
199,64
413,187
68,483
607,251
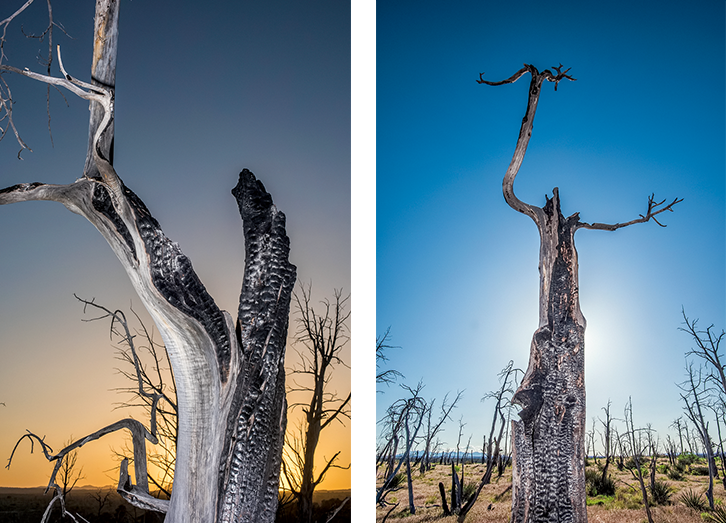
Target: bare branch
525,132
136,496
651,213
382,345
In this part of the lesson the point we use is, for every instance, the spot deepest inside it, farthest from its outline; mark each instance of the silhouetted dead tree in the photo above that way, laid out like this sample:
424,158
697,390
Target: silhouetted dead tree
230,379
324,335
549,450
150,390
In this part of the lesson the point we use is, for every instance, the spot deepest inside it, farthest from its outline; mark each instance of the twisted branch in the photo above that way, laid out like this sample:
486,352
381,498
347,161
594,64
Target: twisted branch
525,131
137,495
93,93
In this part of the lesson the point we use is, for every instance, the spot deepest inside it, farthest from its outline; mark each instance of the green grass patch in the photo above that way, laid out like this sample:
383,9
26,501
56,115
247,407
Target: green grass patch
606,501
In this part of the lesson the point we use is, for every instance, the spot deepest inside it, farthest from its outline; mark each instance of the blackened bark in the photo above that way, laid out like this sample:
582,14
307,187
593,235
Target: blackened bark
548,480
549,438
257,417
230,386
444,504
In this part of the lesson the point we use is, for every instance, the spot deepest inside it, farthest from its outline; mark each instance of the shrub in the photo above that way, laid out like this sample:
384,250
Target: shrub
596,486
468,490
694,501
661,492
397,480
718,514
687,459
699,470
675,474
628,499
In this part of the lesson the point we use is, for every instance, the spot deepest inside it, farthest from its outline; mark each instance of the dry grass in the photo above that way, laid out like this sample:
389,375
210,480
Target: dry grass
625,507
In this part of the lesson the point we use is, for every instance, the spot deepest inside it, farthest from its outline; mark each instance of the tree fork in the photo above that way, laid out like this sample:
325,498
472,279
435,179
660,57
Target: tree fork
548,480
230,381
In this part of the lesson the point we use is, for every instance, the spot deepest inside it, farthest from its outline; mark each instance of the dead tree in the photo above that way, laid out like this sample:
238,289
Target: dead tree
694,403
433,429
606,439
387,376
678,425
230,379
717,410
653,442
636,449
153,389
69,474
323,335
401,416
508,379
708,349
549,451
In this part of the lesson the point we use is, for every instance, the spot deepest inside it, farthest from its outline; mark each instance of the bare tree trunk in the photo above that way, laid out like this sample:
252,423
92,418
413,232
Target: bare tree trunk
636,449
549,440
606,440
103,74
230,381
694,411
409,480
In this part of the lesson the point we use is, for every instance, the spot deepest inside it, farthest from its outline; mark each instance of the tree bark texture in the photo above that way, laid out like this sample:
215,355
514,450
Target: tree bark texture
230,382
548,483
229,379
549,451
103,74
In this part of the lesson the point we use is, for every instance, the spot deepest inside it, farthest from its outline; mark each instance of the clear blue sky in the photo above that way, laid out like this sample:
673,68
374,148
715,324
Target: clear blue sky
457,278
204,89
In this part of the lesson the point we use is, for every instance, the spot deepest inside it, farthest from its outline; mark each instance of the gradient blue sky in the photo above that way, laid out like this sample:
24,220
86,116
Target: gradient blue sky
204,89
457,278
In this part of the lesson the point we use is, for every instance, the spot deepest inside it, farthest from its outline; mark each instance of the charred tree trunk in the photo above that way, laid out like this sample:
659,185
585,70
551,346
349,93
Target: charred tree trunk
230,380
549,439
444,504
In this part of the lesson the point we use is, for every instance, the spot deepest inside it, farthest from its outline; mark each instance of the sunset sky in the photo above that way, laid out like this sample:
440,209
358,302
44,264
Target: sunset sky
457,278
204,89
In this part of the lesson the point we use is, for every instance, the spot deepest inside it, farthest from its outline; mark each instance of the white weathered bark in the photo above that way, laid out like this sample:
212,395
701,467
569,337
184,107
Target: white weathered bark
229,379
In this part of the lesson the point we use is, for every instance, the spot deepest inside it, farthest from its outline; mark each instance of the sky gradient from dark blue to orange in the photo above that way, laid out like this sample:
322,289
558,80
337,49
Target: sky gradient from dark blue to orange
204,89
457,278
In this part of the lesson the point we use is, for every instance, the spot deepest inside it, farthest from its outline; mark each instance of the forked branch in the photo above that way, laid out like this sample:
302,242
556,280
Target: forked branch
650,214
93,93
525,131
654,207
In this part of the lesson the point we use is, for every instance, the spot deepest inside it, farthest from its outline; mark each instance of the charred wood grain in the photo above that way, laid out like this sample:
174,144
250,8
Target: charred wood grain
257,417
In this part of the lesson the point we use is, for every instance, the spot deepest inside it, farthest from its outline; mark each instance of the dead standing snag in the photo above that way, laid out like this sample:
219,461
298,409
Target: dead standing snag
549,452
230,379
